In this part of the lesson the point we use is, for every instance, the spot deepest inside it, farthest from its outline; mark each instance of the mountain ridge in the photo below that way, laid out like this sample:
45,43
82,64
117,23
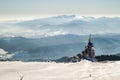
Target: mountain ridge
57,46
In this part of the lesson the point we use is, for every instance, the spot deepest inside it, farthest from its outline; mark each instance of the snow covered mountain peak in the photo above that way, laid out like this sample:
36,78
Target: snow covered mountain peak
59,25
65,16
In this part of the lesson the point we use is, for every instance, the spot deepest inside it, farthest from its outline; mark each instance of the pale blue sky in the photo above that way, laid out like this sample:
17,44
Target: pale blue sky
14,9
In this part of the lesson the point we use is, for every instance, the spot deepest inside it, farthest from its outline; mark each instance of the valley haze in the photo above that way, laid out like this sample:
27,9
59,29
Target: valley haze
45,39
58,36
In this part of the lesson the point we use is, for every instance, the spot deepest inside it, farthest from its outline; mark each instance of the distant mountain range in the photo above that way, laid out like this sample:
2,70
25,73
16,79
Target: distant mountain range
60,25
59,36
57,46
118,54
74,25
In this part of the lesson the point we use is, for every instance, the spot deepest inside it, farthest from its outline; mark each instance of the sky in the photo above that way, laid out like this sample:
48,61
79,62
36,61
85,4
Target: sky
28,9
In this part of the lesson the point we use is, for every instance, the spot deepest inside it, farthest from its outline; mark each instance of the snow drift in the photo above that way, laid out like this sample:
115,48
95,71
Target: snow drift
83,70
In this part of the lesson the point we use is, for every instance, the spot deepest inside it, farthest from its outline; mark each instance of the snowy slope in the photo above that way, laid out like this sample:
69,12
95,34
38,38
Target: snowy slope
83,70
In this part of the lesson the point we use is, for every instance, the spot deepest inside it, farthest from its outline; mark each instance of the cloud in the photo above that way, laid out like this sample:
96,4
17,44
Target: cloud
60,25
20,31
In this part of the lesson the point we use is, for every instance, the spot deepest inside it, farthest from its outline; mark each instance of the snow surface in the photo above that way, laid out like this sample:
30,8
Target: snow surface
83,70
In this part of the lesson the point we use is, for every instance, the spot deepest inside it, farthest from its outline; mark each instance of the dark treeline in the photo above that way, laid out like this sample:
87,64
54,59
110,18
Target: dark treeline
108,57
66,59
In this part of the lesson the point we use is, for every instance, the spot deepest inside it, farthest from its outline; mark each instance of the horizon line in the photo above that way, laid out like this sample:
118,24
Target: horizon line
31,17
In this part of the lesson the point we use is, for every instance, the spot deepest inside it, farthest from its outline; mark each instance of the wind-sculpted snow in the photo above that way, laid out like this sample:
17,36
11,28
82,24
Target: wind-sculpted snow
83,70
5,55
